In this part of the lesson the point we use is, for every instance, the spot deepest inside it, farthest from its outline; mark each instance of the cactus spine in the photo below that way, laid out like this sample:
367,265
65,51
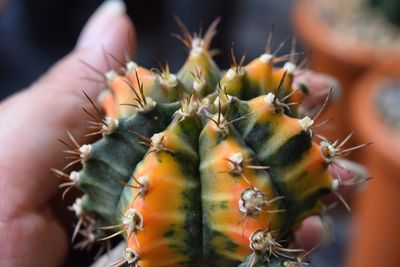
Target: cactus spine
201,168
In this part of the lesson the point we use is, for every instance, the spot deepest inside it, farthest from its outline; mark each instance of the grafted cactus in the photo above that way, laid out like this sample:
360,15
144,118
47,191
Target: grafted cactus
202,167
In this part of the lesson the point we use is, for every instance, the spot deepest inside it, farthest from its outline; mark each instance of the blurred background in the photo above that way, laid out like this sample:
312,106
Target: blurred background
356,41
35,33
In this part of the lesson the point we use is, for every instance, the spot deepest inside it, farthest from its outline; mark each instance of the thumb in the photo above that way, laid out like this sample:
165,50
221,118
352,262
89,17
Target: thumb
108,32
37,117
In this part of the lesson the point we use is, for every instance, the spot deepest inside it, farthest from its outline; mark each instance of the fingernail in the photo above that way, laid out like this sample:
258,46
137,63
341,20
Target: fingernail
96,26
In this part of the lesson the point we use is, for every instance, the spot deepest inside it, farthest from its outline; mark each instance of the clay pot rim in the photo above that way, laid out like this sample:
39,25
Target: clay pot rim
370,126
322,37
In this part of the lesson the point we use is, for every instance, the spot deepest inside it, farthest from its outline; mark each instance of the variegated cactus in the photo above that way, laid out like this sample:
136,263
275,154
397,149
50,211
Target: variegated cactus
202,167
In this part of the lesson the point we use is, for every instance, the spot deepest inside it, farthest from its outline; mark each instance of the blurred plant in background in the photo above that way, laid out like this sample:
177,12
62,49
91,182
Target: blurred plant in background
374,21
358,42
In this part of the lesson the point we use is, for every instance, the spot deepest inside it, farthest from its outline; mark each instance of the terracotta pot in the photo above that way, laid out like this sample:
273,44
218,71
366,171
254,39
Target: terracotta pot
376,236
332,53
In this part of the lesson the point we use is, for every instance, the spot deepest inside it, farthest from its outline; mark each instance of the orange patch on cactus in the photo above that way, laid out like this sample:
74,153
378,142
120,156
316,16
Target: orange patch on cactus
260,73
159,211
108,104
228,188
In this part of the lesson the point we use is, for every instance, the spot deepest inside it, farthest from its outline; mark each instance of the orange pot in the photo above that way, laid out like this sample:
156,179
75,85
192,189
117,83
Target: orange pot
376,237
332,53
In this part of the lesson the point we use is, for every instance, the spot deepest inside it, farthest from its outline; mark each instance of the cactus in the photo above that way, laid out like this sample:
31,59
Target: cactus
202,167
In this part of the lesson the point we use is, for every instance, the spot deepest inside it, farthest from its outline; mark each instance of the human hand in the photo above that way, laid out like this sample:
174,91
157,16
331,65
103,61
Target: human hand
32,121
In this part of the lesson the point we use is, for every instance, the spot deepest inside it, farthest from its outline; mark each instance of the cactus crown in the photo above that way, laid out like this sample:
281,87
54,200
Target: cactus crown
201,167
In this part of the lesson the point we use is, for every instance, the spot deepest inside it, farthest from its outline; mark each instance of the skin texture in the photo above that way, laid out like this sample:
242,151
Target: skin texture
32,121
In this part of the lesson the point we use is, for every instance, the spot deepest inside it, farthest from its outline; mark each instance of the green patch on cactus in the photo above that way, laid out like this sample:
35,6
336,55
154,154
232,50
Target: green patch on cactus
113,158
223,177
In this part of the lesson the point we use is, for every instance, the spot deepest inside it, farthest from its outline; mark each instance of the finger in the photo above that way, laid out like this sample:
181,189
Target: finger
34,239
98,23
35,118
317,87
311,233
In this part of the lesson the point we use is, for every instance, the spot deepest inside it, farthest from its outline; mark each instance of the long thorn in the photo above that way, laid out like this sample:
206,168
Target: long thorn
73,139
323,105
112,235
280,46
345,204
101,74
269,41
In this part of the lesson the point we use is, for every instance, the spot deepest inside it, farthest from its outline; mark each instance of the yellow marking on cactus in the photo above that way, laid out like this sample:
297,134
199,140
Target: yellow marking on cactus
201,62
217,196
174,142
305,178
302,179
222,192
219,242
262,110
277,76
259,73
286,127
163,206
212,130
316,177
160,211
233,81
